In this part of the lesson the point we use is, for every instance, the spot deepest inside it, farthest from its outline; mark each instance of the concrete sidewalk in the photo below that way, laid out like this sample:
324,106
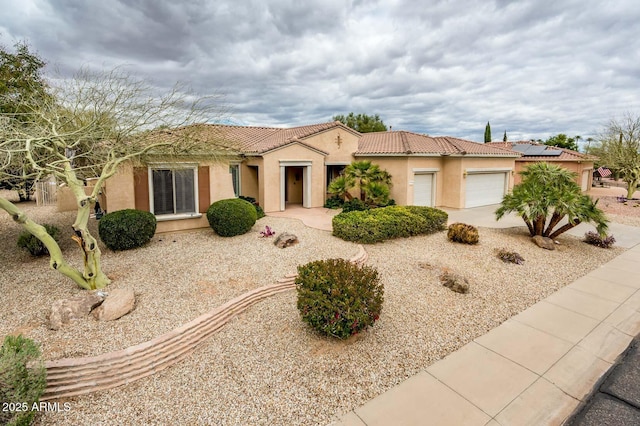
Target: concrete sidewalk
534,369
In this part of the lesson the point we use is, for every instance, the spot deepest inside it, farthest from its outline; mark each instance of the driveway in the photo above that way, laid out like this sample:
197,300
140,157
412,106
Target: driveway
626,236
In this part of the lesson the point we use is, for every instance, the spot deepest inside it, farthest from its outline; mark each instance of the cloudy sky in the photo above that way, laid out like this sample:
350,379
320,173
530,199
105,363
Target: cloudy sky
534,68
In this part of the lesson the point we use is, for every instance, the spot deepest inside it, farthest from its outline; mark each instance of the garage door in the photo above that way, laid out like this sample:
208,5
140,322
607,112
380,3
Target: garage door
423,190
484,189
585,180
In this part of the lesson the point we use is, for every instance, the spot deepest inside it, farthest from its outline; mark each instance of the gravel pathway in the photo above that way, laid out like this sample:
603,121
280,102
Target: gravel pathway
265,367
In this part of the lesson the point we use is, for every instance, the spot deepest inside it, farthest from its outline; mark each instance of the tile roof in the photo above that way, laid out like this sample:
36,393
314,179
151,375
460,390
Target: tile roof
407,143
565,155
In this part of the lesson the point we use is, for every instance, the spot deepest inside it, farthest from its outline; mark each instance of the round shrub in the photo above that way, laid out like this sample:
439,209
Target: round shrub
259,212
231,217
33,245
127,229
463,233
337,297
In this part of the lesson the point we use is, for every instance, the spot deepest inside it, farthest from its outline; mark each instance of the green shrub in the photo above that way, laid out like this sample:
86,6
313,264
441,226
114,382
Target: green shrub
22,379
231,217
595,239
339,298
385,223
259,211
334,202
354,205
463,233
127,229
510,257
33,245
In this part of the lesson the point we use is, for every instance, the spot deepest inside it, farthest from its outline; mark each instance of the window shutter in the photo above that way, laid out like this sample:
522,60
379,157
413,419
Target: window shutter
203,188
141,188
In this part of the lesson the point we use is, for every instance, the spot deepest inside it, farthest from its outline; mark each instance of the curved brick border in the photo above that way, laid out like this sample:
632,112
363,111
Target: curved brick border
77,376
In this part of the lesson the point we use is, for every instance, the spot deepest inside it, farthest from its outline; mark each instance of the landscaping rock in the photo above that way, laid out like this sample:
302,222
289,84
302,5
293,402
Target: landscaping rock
544,242
118,303
63,311
455,282
285,240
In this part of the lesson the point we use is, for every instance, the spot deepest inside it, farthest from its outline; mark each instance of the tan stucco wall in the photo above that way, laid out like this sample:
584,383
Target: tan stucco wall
248,181
270,175
574,166
119,194
397,168
328,142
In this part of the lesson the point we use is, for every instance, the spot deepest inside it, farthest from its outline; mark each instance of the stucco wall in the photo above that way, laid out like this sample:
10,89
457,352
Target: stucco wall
574,166
118,191
397,168
338,150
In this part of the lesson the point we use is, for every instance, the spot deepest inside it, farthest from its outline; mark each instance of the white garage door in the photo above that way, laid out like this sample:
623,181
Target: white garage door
423,190
484,189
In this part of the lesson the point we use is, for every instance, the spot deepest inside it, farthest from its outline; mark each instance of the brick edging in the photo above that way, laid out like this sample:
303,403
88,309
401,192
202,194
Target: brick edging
77,376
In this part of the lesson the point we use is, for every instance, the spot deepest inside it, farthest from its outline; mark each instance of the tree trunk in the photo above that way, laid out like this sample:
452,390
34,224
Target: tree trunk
555,219
92,274
565,228
529,224
57,261
539,225
631,188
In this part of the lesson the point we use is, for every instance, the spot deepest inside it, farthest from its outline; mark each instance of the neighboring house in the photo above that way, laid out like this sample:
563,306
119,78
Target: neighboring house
533,152
281,167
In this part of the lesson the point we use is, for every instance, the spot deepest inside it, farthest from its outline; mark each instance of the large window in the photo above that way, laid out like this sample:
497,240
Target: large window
174,190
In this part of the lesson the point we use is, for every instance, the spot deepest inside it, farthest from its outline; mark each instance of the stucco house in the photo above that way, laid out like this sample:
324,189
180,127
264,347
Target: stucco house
284,166
533,152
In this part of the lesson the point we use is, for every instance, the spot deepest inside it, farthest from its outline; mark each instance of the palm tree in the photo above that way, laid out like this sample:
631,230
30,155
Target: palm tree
547,195
340,186
361,172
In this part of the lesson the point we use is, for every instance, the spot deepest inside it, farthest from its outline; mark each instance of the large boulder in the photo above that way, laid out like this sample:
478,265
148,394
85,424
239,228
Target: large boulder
285,240
64,311
544,242
118,303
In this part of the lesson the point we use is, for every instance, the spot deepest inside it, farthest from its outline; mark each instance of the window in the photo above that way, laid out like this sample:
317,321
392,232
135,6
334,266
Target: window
174,190
234,169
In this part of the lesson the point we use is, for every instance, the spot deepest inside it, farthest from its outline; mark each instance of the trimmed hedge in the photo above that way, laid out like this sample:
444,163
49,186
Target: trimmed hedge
339,298
231,217
372,226
127,229
259,212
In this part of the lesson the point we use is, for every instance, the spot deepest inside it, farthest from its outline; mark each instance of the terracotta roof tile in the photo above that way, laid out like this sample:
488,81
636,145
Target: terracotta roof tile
407,143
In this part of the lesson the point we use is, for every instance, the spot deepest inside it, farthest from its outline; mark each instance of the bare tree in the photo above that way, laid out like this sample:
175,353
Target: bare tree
620,149
90,126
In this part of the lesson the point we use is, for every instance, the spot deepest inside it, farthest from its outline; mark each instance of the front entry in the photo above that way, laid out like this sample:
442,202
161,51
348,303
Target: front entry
295,183
293,193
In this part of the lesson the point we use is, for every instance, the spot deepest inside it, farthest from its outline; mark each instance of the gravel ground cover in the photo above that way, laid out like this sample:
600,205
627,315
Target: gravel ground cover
266,367
627,213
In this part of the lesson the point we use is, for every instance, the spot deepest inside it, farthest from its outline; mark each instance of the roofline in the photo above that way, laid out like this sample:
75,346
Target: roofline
285,145
439,154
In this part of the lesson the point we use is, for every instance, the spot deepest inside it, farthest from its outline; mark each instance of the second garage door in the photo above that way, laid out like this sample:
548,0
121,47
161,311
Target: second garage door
484,189
423,190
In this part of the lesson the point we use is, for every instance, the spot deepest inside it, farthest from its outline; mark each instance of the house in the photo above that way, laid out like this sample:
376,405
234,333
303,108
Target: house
285,166
532,152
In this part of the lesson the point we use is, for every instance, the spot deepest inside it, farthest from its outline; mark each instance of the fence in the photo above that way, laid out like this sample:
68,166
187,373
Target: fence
46,193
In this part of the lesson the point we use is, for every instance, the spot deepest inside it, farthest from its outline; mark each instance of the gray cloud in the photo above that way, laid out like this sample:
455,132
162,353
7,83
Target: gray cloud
532,68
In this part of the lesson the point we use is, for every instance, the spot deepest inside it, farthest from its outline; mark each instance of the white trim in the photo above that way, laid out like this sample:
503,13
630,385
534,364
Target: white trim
488,170
295,163
306,189
181,216
425,170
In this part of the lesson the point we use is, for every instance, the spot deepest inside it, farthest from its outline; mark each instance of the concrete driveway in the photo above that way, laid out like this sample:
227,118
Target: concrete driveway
625,235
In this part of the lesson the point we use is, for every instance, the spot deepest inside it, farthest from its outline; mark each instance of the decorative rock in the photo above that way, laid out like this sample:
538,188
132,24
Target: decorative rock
285,240
118,303
544,242
64,311
455,282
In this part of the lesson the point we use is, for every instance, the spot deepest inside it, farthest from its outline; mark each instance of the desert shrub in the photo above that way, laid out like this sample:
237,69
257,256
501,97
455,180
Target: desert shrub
463,233
337,297
231,217
595,239
22,379
354,205
510,257
454,282
259,212
127,229
436,219
372,226
334,202
33,245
